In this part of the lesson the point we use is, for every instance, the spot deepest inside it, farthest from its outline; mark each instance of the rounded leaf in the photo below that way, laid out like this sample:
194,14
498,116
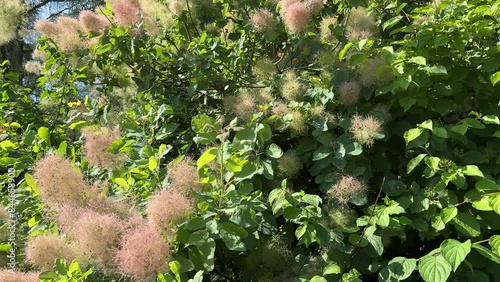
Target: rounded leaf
434,268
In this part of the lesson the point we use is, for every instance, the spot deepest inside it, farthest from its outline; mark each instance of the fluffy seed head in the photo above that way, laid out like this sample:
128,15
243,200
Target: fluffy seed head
263,20
381,113
346,188
349,93
280,109
4,214
342,217
263,68
289,164
184,176
166,208
314,6
247,103
59,182
325,32
10,16
68,38
97,141
98,234
33,67
91,22
272,261
42,250
296,17
360,24
368,73
16,276
284,4
317,111
156,11
291,87
143,253
242,105
177,6
298,123
365,129
47,28
126,11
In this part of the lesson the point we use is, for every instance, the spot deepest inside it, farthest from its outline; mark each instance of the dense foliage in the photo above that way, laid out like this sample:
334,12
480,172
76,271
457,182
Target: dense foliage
269,140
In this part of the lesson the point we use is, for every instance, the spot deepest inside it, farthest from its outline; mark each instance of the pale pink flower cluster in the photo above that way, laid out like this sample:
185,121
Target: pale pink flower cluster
263,20
42,250
126,12
60,183
92,22
184,176
97,234
360,24
167,208
346,188
295,15
365,129
69,33
142,253
100,230
97,141
349,93
16,276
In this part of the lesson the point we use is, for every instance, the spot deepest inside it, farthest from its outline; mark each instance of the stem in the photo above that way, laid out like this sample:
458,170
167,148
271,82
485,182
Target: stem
482,241
221,171
370,219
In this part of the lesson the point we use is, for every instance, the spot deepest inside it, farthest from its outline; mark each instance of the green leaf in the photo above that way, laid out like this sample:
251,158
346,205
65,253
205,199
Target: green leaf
455,252
413,163
49,275
436,70
440,131
460,128
487,253
419,60
426,124
231,238
495,203
208,156
491,119
412,134
44,134
61,150
152,164
344,50
318,278
376,242
391,22
434,268
448,214
122,182
495,78
432,163
487,185
401,268
115,147
495,244
274,151
78,124
467,224
321,153
7,145
332,269
483,204
472,170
